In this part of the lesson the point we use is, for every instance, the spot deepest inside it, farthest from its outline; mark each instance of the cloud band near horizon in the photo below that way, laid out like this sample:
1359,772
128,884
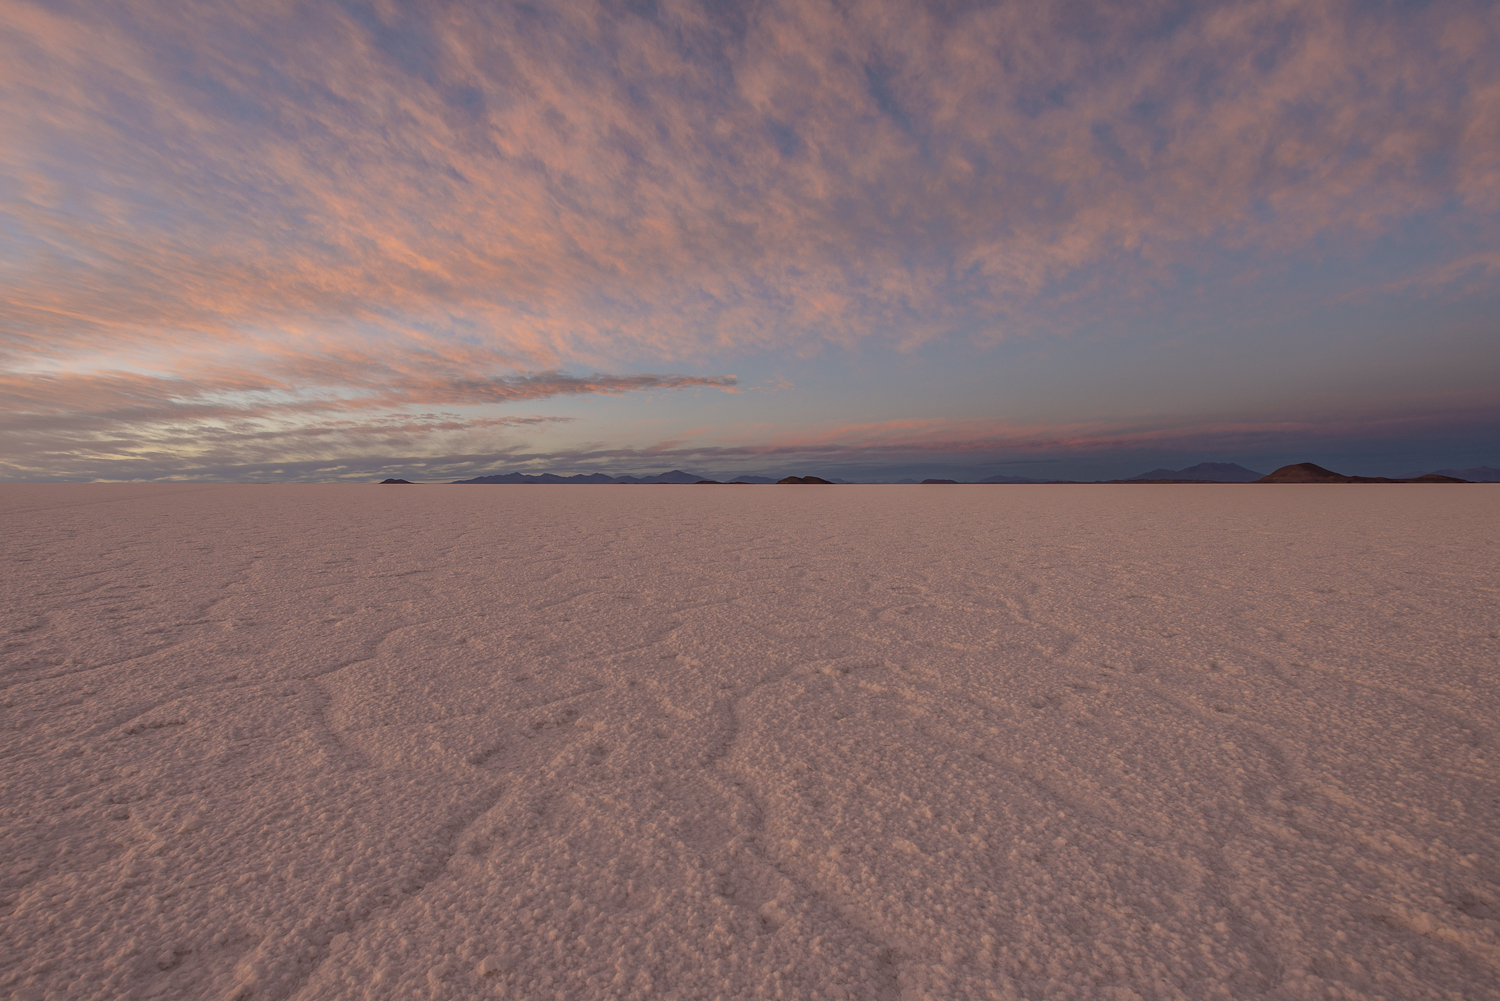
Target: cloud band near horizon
450,446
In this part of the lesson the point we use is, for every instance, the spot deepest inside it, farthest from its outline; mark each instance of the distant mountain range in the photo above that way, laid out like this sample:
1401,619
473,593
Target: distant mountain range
1478,474
1307,472
1006,479
1303,472
672,476
1205,472
540,478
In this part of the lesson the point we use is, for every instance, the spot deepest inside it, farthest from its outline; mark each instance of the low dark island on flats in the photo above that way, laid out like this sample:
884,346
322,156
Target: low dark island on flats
805,479
1301,472
1307,472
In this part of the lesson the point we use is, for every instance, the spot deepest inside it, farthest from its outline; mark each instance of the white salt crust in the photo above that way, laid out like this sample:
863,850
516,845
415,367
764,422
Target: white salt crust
869,742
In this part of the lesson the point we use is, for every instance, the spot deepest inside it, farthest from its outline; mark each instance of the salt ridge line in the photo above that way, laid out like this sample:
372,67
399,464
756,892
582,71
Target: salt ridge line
333,741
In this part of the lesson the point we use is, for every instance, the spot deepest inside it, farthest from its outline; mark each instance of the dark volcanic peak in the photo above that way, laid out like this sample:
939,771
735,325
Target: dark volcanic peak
383,482
1304,472
805,479
1209,472
1307,472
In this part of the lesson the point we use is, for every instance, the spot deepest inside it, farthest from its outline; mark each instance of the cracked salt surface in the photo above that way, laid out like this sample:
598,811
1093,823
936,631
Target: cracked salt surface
872,742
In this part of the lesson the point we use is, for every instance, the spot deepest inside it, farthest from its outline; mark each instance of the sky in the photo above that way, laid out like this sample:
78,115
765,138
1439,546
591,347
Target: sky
344,240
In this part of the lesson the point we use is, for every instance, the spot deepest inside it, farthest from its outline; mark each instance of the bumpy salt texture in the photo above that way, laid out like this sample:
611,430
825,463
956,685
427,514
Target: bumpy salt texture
697,742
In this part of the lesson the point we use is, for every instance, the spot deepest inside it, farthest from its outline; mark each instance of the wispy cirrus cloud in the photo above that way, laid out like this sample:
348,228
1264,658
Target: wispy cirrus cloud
314,389
327,412
1462,275
583,182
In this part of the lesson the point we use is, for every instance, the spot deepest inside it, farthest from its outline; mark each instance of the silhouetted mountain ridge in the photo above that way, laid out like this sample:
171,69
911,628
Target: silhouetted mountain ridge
1477,474
1308,472
672,476
1208,472
1203,472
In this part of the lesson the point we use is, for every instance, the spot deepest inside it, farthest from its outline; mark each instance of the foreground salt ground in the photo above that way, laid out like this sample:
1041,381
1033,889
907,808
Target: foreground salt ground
697,742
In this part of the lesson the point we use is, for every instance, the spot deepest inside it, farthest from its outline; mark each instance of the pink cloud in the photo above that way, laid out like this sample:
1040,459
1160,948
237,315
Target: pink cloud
585,184
1467,274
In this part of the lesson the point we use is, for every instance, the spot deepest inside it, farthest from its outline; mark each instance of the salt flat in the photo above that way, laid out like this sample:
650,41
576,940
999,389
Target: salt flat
697,742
